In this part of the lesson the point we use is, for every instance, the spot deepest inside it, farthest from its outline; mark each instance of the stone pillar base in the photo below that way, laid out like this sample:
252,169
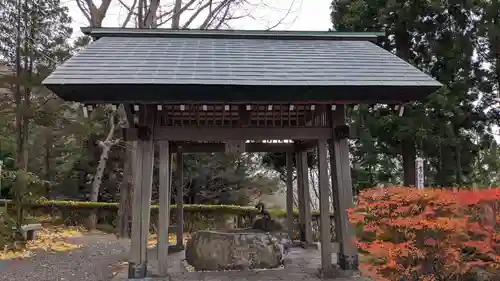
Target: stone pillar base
173,248
335,272
307,245
349,263
137,271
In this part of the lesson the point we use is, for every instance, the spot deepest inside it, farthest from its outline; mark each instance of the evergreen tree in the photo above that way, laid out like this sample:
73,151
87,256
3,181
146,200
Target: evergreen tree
439,38
33,40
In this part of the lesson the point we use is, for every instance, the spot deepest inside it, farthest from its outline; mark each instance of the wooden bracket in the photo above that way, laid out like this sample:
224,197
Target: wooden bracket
342,131
129,113
144,133
129,134
346,132
124,135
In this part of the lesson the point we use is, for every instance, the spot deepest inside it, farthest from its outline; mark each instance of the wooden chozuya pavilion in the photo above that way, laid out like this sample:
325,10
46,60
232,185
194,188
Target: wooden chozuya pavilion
208,90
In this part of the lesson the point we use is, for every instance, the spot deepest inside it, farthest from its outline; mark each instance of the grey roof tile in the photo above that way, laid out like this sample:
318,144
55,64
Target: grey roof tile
225,61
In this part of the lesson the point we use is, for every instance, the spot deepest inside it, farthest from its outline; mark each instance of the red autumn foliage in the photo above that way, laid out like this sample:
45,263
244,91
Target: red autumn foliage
430,234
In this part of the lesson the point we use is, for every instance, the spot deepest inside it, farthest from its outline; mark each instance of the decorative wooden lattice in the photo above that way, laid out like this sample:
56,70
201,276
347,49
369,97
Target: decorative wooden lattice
233,115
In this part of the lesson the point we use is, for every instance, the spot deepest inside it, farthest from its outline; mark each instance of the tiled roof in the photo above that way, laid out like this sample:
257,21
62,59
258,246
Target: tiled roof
226,61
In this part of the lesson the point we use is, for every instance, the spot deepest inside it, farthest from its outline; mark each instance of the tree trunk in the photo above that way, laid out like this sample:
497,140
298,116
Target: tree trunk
20,159
409,153
314,175
96,183
126,194
458,158
177,14
47,156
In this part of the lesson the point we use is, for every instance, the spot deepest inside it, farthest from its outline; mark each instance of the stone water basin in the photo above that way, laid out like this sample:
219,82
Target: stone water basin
235,249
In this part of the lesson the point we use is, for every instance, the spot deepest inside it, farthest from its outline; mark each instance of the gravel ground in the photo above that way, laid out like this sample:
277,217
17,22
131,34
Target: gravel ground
97,260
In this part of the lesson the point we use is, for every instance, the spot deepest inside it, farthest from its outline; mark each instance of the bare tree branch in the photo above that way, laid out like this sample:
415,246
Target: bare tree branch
176,17
282,19
85,11
213,13
193,16
140,15
150,18
112,129
130,11
94,15
216,13
226,17
170,13
102,10
222,20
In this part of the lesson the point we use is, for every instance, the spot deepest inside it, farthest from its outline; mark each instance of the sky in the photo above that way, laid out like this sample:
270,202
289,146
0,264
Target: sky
299,16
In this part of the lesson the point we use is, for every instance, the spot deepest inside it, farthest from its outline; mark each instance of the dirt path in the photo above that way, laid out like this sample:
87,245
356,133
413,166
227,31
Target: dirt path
96,260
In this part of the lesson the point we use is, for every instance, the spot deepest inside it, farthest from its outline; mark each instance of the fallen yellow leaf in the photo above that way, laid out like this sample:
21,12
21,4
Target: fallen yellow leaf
47,239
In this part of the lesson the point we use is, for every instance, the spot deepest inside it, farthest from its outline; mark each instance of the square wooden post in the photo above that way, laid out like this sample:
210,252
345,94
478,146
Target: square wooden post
324,206
289,194
179,200
300,197
342,193
305,199
164,210
143,181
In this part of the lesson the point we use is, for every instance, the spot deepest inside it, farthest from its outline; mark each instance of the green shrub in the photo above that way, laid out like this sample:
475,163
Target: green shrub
8,231
196,217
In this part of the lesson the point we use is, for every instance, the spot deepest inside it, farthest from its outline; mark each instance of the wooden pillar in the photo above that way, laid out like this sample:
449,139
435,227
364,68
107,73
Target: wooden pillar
324,207
143,180
179,200
306,227
164,210
300,197
289,193
342,193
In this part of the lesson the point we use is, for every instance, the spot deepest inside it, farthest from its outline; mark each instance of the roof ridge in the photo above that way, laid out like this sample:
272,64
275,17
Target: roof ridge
232,34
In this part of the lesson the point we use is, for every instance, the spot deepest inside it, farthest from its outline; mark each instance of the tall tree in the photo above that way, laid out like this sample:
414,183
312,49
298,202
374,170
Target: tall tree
438,37
27,27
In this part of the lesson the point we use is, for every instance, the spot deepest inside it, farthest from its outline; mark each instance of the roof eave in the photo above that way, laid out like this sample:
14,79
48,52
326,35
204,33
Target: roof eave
155,93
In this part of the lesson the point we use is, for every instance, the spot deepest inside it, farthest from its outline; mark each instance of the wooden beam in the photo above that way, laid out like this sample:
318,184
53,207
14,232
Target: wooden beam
342,194
164,210
324,207
219,147
223,134
289,194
